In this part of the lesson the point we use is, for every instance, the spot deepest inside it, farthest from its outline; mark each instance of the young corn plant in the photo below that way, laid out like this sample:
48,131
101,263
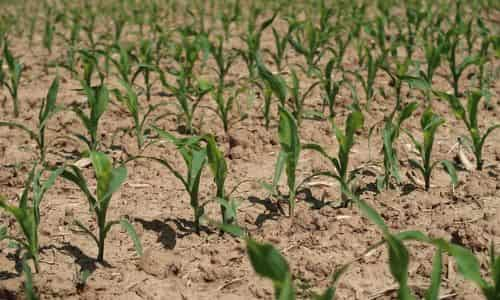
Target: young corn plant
124,63
429,124
29,290
47,111
195,158
225,105
331,87
229,18
433,53
280,44
141,119
15,70
146,65
218,167
274,84
345,139
188,97
372,66
49,29
252,39
109,180
97,100
89,60
288,157
469,115
224,59
298,99
27,213
452,41
390,134
309,41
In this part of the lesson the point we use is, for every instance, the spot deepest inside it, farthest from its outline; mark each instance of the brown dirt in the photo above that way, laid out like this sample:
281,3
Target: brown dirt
178,264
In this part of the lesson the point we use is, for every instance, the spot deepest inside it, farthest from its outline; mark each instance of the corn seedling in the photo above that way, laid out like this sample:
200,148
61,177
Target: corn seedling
345,139
223,59
429,124
390,134
280,45
372,66
469,116
451,43
227,19
146,65
141,119
47,111
49,29
252,39
29,290
274,84
124,62
309,41
27,213
218,166
399,75
195,158
188,97
15,69
90,64
97,100
331,87
298,99
288,157
415,15
433,54
109,180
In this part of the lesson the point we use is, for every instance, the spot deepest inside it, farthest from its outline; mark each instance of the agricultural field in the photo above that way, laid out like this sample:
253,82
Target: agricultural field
228,149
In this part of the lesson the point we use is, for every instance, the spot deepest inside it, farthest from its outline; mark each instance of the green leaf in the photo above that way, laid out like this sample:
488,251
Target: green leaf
232,229
267,261
398,263
275,82
3,233
417,83
286,291
450,169
288,133
406,112
354,122
467,264
433,292
133,235
472,105
109,179
372,215
28,282
31,133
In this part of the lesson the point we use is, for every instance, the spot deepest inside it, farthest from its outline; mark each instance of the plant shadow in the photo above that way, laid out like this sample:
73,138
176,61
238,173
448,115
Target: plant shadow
7,295
85,262
186,227
407,189
273,210
166,234
6,275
